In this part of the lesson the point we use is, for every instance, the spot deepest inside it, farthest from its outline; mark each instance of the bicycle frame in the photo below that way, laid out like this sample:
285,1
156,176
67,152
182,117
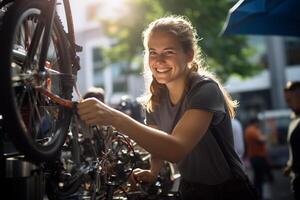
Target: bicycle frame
50,12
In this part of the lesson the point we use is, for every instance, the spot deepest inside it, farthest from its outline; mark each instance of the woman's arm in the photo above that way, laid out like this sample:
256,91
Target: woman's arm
186,134
156,162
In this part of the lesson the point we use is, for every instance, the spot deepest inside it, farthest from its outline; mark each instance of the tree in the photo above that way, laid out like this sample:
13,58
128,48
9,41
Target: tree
225,55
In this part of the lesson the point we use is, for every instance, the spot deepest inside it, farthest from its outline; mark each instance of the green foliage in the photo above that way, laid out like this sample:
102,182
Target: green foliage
127,32
225,55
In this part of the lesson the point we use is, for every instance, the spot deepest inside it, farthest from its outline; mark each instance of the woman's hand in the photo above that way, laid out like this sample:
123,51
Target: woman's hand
141,176
94,112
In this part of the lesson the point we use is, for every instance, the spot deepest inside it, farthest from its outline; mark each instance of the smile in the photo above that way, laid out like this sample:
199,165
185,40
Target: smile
162,70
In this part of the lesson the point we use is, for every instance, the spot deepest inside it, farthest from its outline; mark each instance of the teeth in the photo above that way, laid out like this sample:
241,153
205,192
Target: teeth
162,70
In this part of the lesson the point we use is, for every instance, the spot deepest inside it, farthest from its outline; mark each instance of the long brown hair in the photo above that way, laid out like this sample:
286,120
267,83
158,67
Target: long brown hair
182,28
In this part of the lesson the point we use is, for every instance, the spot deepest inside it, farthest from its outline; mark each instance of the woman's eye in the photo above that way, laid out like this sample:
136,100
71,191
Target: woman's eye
168,53
152,53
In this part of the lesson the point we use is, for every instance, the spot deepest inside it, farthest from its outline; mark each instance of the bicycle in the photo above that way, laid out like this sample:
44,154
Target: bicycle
93,163
38,63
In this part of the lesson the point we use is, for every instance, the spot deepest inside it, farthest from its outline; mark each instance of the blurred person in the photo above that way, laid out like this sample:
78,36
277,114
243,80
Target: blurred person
258,155
186,108
96,92
88,150
131,107
238,137
292,97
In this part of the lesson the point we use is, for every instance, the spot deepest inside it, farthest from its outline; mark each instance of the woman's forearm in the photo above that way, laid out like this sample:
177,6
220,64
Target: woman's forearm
154,141
156,165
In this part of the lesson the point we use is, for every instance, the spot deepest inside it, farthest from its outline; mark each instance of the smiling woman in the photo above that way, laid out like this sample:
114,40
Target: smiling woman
186,108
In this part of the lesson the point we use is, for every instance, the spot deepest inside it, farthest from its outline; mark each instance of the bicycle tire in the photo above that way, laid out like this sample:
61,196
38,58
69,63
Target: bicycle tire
26,112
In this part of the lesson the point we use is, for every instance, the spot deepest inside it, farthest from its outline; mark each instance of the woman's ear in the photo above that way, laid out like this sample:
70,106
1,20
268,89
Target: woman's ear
190,56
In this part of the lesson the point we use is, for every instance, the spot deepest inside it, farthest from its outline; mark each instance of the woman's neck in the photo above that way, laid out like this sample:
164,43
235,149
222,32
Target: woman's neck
177,90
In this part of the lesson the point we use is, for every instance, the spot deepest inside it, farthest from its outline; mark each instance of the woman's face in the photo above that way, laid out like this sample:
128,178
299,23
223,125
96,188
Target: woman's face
167,60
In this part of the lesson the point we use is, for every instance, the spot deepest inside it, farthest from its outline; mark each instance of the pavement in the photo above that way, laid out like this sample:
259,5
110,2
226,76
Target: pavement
279,189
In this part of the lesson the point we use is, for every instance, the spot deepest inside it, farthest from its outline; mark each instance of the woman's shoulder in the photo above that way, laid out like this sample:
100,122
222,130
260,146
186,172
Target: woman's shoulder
202,86
198,80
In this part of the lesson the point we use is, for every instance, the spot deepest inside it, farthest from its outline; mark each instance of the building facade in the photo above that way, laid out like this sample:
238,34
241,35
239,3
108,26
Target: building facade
281,57
264,91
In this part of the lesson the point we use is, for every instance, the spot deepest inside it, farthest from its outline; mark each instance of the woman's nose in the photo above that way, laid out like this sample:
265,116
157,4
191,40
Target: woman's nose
160,57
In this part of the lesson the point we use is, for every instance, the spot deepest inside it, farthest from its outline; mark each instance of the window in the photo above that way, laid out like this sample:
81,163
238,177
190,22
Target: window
98,66
292,48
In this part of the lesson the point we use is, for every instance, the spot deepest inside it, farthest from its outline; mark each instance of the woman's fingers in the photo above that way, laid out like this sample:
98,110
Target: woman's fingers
136,170
137,175
87,106
143,176
91,111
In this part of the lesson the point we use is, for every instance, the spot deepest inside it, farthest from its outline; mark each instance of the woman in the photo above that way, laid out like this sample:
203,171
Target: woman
185,104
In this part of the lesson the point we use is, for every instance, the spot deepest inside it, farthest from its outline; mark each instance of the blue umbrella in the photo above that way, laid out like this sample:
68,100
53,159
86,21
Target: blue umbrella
264,17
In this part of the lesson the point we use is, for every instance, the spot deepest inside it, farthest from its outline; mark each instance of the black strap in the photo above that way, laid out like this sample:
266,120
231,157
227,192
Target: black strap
234,164
236,170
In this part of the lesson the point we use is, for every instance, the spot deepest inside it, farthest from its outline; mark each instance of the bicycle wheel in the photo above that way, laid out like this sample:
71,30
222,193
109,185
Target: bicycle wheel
37,125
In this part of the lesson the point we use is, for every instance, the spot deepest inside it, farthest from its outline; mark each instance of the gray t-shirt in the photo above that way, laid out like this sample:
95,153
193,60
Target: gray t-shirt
206,163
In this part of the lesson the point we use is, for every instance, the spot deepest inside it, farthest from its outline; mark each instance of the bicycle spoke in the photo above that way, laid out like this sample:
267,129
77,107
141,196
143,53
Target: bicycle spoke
35,113
27,34
20,98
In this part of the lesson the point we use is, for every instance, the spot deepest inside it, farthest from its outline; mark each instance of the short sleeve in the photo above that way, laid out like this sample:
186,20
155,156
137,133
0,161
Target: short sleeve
208,96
